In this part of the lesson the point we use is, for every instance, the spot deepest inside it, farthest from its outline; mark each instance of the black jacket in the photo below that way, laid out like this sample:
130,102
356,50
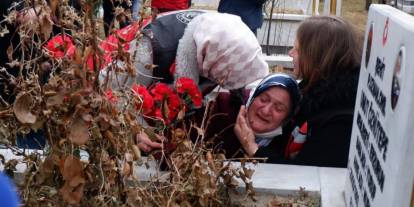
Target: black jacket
328,110
220,126
165,33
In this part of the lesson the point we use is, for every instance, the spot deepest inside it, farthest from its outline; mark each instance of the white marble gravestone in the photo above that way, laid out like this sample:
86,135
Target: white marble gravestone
381,165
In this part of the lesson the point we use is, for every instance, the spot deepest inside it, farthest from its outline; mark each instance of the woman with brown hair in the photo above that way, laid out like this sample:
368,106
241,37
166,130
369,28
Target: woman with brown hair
326,57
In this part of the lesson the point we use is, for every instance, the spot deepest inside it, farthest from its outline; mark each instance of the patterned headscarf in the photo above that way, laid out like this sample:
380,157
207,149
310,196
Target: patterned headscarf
226,51
283,81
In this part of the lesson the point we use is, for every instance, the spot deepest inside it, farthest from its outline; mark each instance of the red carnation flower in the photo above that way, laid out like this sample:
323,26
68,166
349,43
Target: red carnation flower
161,91
186,86
173,103
168,102
61,45
146,101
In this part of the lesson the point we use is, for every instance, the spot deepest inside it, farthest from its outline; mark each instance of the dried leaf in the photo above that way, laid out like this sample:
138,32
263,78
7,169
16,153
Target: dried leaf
76,98
150,66
62,142
230,181
78,57
234,182
181,114
129,157
136,151
46,26
110,136
10,52
72,191
179,134
21,109
53,6
4,31
71,168
37,125
87,117
51,92
103,121
184,146
200,131
72,173
210,161
14,63
250,190
47,167
55,100
126,170
79,132
248,172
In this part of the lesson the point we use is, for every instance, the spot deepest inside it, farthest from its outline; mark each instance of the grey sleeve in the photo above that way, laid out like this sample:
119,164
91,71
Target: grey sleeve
141,54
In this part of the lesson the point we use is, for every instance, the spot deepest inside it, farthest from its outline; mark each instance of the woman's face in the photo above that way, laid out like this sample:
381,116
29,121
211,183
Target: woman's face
269,110
294,53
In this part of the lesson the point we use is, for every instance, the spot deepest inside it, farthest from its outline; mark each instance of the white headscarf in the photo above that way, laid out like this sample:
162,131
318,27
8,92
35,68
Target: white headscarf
222,48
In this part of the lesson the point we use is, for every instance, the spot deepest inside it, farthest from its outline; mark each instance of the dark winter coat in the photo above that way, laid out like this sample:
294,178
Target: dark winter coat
223,115
328,110
250,11
165,33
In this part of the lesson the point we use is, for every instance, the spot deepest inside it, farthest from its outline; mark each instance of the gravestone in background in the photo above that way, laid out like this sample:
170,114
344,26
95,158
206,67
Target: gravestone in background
381,159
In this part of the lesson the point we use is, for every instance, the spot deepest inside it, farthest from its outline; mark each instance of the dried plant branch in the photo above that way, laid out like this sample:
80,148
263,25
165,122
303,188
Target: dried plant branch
75,115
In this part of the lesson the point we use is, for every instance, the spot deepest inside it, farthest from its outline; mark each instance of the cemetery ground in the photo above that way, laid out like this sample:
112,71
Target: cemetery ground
354,11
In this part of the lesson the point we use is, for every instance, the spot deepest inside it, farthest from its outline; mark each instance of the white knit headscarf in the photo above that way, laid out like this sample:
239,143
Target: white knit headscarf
222,48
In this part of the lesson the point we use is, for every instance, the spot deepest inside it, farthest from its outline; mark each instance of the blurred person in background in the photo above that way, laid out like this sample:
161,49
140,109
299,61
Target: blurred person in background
8,192
170,5
250,11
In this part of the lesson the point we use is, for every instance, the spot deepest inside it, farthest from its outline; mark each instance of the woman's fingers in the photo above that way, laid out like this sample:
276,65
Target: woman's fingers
144,147
243,111
237,130
160,137
241,128
154,144
242,121
244,133
145,143
241,116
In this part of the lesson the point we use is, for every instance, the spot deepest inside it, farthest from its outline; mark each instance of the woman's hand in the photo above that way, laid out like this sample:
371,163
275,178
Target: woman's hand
145,144
245,133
